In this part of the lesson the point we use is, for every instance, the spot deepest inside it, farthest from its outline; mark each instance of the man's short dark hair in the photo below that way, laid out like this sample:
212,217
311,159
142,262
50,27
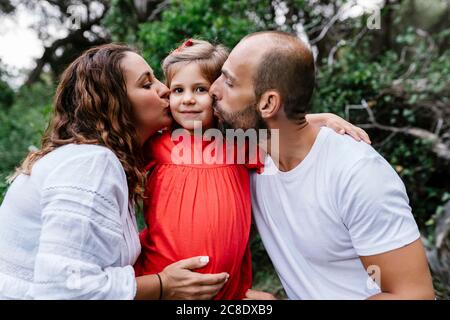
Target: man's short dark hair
288,67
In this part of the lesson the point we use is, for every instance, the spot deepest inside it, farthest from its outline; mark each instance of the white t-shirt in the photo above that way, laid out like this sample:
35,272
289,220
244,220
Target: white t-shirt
341,202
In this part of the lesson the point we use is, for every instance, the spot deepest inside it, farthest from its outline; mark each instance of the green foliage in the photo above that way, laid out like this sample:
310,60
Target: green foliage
216,21
21,127
122,21
6,93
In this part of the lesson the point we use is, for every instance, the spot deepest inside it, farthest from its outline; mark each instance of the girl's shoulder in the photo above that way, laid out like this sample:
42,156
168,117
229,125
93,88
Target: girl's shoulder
158,139
157,149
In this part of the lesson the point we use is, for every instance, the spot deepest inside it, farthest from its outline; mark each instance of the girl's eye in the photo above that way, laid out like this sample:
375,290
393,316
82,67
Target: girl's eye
202,89
177,90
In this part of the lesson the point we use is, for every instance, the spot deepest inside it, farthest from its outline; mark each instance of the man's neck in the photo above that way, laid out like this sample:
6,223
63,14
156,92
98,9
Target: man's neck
295,142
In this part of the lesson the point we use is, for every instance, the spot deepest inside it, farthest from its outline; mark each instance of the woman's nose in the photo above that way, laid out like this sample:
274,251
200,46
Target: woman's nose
163,91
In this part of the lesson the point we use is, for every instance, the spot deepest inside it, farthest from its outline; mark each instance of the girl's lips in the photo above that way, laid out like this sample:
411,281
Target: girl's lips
190,114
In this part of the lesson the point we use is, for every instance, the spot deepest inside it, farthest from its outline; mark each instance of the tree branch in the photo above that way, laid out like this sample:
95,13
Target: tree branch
47,56
441,149
331,22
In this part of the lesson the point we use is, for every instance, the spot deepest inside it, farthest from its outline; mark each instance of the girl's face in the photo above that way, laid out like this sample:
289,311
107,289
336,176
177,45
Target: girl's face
148,96
190,102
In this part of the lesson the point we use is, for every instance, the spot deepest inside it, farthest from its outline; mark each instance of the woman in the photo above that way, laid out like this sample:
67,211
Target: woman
67,225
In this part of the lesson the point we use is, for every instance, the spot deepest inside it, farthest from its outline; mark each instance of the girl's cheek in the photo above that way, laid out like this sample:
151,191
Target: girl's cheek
209,119
173,102
207,103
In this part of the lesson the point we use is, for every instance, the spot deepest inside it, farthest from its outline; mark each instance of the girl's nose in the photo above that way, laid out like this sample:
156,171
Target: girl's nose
188,98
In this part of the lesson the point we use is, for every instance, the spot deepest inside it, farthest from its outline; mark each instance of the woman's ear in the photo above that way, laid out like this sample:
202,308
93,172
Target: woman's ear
269,104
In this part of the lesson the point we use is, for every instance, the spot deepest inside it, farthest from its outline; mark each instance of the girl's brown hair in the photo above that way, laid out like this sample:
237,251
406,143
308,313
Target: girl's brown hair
91,106
209,57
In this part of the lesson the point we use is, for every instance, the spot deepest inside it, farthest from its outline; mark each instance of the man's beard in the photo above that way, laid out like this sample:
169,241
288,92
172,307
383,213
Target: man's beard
249,118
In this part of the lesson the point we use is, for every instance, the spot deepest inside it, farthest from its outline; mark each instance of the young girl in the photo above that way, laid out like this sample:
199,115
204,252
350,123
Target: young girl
67,223
196,208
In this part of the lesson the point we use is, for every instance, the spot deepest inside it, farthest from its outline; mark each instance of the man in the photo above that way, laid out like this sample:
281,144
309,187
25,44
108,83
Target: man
329,209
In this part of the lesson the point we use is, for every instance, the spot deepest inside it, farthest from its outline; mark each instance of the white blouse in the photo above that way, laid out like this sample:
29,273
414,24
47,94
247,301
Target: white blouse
67,231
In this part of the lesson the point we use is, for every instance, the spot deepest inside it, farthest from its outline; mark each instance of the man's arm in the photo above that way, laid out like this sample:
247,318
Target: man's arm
403,272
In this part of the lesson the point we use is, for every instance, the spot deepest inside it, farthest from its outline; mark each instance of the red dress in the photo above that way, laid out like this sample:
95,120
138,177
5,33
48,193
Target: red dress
197,210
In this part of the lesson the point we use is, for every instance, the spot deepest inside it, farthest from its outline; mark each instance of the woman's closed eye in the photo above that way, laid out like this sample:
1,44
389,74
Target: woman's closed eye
148,85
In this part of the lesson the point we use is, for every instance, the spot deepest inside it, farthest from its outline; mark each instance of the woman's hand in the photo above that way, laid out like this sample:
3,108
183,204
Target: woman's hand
339,125
180,283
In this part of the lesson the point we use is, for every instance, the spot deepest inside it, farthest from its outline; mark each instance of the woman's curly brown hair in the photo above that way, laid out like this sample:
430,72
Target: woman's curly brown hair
91,106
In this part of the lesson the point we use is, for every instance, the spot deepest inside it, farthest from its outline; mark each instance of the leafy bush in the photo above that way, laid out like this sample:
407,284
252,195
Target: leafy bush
6,93
22,126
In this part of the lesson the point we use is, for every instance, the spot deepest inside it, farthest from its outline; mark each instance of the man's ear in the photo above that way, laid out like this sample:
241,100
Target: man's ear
269,104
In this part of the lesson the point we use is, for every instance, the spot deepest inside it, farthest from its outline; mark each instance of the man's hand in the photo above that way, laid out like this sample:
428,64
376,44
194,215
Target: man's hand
258,295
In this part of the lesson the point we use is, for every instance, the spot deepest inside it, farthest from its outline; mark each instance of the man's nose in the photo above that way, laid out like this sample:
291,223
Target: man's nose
213,90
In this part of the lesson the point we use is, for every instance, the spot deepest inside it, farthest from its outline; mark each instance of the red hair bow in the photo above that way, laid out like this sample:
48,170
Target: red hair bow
187,43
